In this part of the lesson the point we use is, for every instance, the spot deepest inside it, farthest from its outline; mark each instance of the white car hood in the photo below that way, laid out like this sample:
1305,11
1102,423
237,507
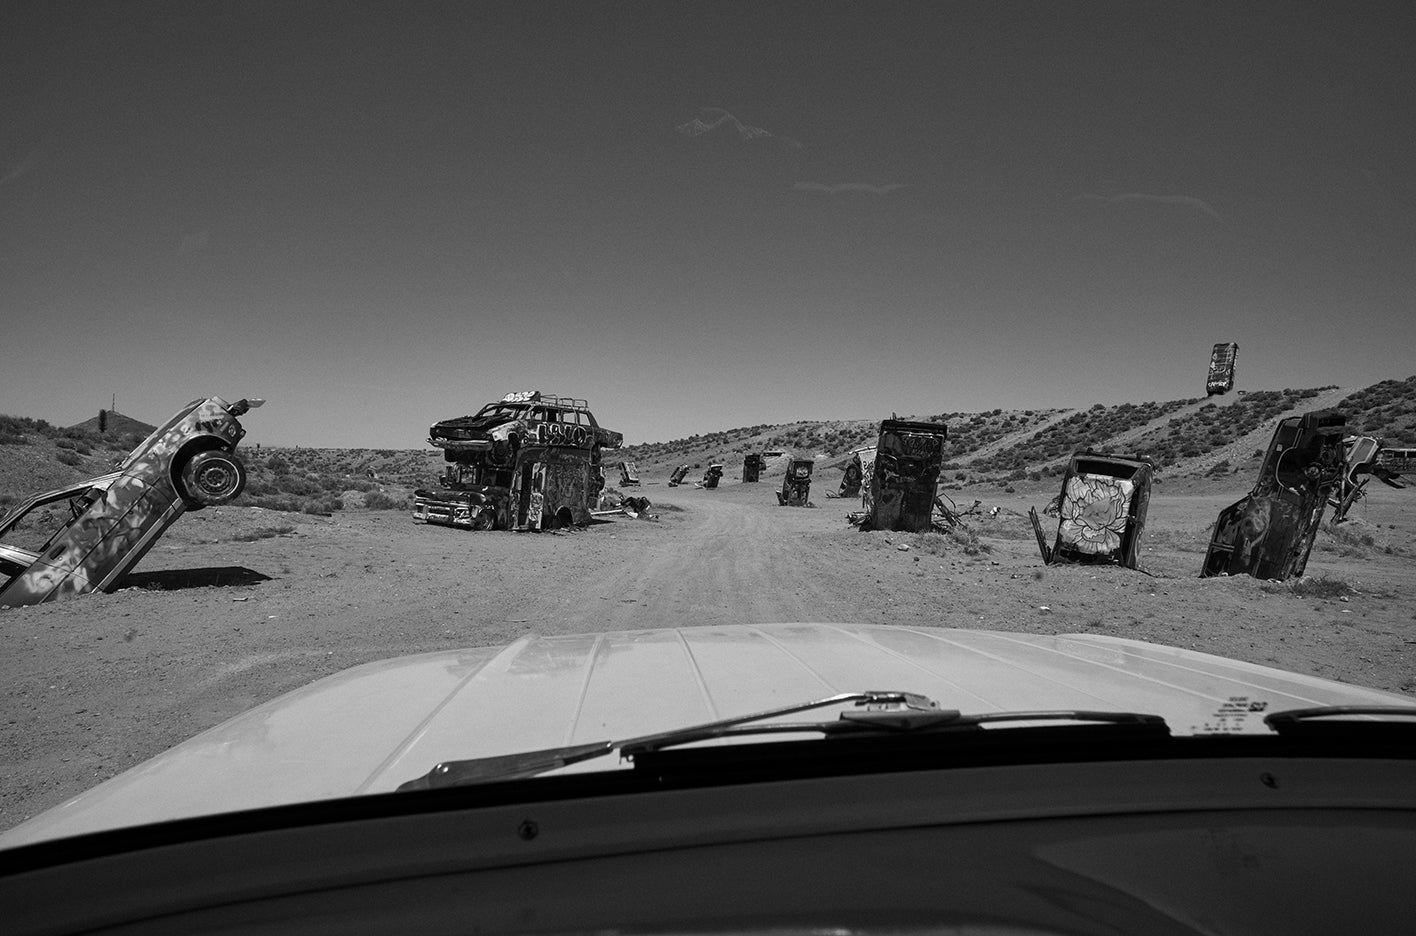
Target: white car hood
370,728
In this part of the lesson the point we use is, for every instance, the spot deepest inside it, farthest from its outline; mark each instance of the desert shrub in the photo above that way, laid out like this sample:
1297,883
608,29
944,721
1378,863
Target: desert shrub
962,537
273,501
261,533
69,457
12,431
1322,587
1347,540
277,464
379,500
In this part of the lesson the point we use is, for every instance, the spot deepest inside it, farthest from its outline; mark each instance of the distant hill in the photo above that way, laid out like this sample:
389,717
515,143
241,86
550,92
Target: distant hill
1200,438
112,422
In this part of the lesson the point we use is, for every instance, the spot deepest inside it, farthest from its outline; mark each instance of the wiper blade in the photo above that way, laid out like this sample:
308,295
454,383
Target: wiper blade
893,723
1339,718
877,712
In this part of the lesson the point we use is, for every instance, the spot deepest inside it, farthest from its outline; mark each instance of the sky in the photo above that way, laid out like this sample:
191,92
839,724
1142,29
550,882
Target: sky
698,216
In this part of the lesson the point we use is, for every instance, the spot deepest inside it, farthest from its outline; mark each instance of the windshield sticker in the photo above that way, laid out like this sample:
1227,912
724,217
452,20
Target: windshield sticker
1235,715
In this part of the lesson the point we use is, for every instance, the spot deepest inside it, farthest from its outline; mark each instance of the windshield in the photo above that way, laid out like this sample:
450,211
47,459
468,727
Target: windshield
907,315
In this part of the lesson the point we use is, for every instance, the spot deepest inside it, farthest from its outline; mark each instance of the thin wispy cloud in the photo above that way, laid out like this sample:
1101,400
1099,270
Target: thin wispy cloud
1184,201
712,118
861,187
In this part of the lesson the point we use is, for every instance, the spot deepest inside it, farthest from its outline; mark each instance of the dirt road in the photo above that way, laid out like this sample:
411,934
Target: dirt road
238,605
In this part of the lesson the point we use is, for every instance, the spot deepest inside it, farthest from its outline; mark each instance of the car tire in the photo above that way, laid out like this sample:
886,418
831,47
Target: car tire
210,478
484,520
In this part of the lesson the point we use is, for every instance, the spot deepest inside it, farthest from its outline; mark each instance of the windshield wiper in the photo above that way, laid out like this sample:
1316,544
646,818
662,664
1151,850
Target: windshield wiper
880,713
1385,720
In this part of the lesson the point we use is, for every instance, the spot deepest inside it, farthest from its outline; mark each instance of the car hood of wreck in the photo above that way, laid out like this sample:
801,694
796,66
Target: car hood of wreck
370,728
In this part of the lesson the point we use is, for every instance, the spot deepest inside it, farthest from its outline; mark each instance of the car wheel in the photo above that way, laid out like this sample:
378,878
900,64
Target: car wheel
212,477
484,520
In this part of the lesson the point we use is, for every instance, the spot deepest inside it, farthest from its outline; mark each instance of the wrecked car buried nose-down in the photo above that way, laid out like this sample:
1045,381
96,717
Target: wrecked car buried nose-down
188,463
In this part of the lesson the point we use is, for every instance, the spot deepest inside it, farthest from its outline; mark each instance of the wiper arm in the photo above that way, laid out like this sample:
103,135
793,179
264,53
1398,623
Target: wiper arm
531,763
906,713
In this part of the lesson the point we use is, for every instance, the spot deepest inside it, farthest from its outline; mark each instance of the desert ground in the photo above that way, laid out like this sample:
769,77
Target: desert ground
237,605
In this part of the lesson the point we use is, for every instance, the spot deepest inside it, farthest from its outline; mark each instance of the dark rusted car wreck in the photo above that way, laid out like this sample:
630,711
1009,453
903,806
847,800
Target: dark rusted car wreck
753,465
531,461
1270,531
796,484
906,471
1101,510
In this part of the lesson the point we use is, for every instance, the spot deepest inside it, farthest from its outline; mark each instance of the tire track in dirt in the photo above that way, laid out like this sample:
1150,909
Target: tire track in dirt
723,565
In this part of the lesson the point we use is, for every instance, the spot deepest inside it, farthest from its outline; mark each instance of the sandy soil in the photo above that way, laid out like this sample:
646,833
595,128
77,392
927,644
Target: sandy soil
237,605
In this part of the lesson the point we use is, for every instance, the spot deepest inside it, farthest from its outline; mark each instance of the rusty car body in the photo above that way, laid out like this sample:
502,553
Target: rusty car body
753,464
546,487
711,477
1362,461
796,484
495,432
530,461
1221,368
1270,531
1101,510
905,474
188,463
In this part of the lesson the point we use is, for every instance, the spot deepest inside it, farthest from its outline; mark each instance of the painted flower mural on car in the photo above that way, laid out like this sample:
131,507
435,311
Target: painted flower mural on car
1094,513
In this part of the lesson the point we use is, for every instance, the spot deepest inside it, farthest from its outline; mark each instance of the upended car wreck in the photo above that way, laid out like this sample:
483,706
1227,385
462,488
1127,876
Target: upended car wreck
530,461
1101,510
188,463
1310,463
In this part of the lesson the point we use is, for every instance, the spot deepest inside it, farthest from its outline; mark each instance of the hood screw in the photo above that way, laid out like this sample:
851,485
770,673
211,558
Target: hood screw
528,830
1269,780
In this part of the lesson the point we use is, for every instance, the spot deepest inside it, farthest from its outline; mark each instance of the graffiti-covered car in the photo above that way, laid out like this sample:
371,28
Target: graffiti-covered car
188,463
1101,510
546,487
497,430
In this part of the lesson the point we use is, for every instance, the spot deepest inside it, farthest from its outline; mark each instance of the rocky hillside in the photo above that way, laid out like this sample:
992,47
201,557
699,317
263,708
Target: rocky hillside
1185,437
1194,437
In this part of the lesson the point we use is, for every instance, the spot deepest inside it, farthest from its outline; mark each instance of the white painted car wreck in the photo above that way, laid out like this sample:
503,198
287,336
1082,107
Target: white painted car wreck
188,463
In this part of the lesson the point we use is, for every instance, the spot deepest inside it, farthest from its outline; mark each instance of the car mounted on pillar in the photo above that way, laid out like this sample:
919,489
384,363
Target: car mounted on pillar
188,463
528,462
497,430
